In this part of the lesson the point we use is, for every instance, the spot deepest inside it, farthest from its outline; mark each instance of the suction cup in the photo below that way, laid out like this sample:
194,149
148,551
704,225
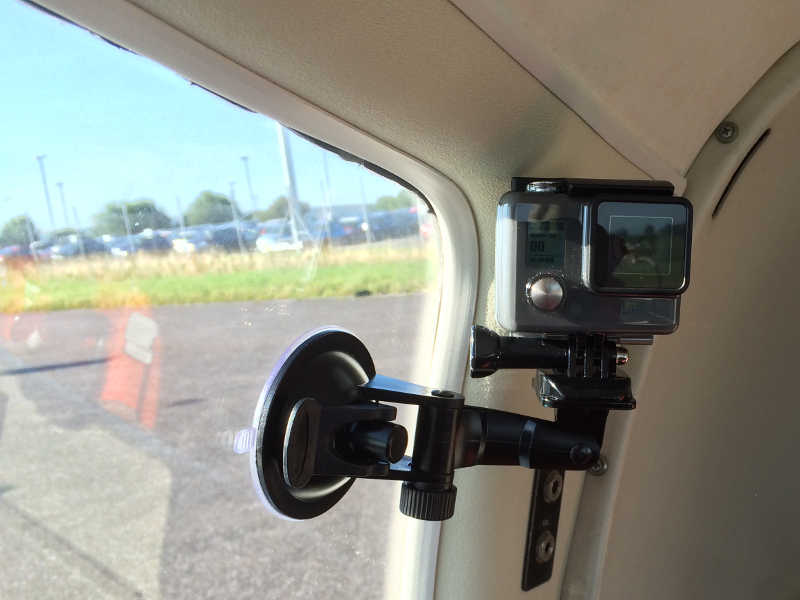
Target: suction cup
325,365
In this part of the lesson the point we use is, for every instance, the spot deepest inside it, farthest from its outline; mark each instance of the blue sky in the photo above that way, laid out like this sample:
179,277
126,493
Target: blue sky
115,126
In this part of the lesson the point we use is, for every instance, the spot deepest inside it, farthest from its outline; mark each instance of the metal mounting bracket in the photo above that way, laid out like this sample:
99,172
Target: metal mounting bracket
540,545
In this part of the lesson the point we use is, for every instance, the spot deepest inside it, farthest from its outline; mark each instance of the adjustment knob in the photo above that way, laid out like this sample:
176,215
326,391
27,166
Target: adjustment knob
545,293
428,505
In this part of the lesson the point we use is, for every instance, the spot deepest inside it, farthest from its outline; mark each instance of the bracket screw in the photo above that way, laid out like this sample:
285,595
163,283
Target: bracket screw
622,356
726,132
553,486
599,467
545,547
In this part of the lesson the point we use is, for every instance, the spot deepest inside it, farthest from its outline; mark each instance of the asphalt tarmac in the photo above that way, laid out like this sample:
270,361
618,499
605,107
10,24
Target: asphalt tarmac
118,478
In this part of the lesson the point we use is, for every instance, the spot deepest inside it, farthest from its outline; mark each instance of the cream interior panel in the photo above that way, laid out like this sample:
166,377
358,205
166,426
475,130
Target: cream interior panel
420,76
708,502
653,78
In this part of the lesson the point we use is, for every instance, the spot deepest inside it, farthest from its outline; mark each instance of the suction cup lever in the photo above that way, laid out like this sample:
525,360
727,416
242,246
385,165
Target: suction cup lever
353,440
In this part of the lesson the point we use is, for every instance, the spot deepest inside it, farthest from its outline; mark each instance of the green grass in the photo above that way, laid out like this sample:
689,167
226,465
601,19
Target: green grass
147,283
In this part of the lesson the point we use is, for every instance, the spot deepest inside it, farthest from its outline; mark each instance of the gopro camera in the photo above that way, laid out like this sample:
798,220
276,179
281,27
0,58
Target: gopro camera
591,256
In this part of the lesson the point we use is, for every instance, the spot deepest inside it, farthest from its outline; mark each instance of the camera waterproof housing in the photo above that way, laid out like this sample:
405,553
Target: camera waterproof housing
591,256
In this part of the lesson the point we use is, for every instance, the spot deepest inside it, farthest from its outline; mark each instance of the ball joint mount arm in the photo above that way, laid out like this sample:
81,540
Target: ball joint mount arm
358,439
325,425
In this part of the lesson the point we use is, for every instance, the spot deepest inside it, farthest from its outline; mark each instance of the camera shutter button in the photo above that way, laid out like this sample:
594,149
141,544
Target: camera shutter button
545,292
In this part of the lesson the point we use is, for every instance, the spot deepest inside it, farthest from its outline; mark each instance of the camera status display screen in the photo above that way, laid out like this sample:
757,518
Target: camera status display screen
640,246
546,243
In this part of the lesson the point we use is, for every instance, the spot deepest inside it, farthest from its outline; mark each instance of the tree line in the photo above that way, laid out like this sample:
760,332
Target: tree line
207,208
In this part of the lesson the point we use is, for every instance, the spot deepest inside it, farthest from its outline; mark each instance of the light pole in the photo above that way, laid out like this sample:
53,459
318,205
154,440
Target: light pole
291,185
31,237
236,217
327,212
127,222
40,158
365,215
60,186
327,194
245,160
78,229
181,218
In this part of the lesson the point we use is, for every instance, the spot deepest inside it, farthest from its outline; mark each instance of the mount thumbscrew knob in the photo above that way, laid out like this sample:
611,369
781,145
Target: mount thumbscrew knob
428,505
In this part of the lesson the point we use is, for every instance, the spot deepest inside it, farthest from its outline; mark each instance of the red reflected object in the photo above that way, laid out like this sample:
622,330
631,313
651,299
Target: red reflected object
131,388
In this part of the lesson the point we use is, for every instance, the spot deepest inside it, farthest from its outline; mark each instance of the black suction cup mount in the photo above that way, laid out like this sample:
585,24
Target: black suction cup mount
322,368
321,423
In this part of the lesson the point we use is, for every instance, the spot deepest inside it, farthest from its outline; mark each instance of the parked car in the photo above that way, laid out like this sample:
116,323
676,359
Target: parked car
397,223
351,229
341,224
192,239
347,228
276,236
121,246
73,245
147,241
41,249
15,256
226,237
153,241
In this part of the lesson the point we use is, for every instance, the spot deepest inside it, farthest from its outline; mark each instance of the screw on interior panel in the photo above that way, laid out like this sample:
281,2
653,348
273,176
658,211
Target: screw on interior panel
726,132
545,547
553,485
599,467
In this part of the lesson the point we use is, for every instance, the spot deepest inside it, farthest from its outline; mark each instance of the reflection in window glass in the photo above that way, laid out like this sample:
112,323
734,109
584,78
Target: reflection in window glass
160,249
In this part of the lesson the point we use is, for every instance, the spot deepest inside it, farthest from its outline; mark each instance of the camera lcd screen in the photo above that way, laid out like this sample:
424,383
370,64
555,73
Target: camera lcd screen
546,241
640,247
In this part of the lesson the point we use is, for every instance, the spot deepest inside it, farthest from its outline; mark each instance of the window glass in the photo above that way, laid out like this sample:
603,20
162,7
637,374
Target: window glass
161,247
